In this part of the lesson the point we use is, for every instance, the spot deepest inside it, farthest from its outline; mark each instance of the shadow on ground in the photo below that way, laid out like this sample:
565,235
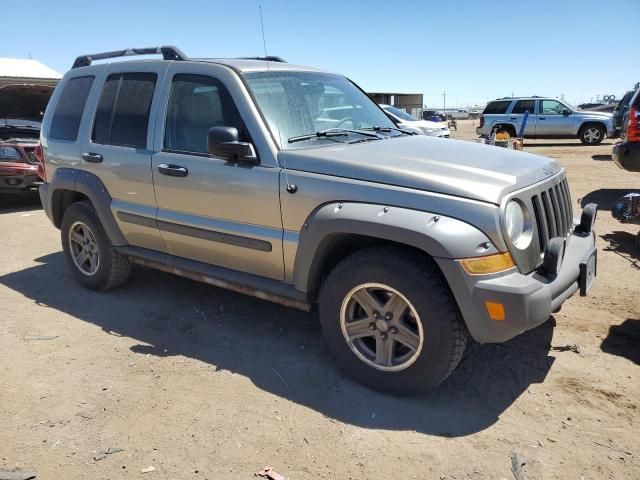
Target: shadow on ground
19,203
624,340
625,244
577,144
280,350
605,197
602,158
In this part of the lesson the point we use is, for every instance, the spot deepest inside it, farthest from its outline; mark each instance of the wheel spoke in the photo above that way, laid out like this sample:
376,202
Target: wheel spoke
384,351
76,237
407,337
395,305
367,301
359,329
82,257
93,261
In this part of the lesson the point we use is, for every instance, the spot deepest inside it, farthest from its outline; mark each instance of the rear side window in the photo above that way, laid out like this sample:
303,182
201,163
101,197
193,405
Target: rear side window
522,106
196,104
122,116
68,113
496,108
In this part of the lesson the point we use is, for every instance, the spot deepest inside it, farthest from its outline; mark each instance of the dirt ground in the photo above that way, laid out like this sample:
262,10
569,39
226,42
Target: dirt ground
201,383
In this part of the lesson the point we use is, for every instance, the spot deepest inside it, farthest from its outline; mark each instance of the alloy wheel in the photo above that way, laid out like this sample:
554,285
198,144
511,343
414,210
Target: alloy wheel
84,248
381,327
592,135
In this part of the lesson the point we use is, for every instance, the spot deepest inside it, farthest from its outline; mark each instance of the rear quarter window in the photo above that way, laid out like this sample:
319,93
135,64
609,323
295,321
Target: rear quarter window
68,112
496,108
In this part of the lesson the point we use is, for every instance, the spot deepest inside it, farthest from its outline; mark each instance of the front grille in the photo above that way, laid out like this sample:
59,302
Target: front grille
31,154
553,213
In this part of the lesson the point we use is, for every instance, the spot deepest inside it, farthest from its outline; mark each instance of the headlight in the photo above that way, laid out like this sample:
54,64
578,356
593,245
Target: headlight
430,131
517,222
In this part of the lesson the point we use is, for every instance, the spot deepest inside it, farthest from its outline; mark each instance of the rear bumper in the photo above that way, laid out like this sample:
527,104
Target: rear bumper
528,300
19,183
626,155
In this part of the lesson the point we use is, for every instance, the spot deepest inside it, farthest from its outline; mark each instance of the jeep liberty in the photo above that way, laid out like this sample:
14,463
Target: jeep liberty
290,184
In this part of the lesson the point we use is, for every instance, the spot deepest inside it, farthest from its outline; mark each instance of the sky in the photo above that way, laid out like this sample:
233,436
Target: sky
474,51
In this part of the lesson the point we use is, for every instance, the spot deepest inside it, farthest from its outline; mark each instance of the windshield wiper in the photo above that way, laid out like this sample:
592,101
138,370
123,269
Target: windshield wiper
331,132
389,129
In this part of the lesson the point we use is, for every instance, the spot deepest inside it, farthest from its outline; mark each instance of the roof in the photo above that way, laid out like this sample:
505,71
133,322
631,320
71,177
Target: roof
248,65
26,68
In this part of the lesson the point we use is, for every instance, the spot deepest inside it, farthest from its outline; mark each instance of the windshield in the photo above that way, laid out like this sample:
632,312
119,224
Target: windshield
301,103
401,114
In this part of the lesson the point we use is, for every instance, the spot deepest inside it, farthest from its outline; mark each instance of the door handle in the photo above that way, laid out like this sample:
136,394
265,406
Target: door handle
92,157
542,118
513,118
172,170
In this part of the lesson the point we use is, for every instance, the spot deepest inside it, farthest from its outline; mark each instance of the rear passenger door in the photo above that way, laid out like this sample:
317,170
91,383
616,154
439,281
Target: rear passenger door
517,117
210,209
118,149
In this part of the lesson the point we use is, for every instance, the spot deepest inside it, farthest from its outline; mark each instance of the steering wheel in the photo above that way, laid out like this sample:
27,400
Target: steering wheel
343,121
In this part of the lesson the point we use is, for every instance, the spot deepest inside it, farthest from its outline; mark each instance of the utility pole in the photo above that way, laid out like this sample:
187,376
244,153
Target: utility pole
444,103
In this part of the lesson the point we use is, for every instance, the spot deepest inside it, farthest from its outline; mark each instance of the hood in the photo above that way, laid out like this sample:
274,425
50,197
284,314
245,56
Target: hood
451,167
24,101
595,114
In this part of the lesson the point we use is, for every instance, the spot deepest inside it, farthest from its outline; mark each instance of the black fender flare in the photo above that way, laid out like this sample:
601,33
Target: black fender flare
89,185
435,234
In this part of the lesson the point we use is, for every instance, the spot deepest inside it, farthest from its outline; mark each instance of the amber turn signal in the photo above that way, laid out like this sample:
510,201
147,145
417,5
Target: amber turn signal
495,310
489,264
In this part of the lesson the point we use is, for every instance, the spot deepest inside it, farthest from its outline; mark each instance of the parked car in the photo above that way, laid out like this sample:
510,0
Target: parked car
21,111
459,114
404,120
621,111
215,169
626,154
548,118
432,116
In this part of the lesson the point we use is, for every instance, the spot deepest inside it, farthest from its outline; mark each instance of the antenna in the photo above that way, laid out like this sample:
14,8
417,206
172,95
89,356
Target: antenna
291,188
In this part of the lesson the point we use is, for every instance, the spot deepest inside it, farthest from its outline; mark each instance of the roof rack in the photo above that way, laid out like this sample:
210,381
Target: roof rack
269,58
168,53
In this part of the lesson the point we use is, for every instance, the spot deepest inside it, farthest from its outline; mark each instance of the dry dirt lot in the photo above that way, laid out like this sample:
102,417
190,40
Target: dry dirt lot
201,383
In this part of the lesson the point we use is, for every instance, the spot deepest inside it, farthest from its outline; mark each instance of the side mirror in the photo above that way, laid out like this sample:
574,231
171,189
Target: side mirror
566,112
224,142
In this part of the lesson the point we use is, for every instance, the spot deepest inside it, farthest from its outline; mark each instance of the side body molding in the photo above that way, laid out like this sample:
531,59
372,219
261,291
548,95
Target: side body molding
74,180
437,235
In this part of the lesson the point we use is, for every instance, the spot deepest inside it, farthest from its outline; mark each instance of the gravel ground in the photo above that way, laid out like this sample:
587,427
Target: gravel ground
201,383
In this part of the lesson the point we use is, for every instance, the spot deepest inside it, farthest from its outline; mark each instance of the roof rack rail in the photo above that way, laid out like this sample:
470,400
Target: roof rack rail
168,53
269,58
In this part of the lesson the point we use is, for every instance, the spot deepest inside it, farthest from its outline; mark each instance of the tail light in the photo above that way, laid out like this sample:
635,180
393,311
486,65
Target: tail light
633,128
40,157
481,121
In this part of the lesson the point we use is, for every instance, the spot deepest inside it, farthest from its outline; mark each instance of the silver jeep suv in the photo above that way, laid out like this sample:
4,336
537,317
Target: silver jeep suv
290,184
548,118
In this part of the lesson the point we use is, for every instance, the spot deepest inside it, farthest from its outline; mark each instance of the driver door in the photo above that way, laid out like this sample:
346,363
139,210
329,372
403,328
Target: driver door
209,209
551,122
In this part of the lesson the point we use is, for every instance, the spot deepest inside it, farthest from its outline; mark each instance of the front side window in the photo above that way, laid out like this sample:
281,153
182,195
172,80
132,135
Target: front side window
197,103
401,114
302,103
122,116
522,106
551,107
68,113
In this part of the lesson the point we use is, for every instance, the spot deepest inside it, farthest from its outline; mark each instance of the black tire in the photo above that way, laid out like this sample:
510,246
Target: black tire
112,269
421,283
586,134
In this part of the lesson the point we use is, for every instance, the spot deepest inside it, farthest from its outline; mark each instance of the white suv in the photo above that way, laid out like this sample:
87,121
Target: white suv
409,122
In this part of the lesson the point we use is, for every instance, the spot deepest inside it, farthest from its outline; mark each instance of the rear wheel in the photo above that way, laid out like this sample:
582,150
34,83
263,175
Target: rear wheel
390,321
89,253
592,134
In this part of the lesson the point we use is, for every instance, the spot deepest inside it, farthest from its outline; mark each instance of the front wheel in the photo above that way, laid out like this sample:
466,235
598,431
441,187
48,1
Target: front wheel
592,134
391,322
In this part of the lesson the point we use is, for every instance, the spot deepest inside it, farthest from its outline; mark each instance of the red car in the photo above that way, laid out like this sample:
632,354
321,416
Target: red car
21,111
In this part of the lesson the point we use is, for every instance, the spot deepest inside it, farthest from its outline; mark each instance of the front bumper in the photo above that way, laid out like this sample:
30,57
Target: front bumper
626,155
528,300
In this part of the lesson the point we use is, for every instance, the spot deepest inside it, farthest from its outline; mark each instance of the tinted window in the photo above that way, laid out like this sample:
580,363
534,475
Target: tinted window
68,113
122,116
522,106
497,108
196,104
